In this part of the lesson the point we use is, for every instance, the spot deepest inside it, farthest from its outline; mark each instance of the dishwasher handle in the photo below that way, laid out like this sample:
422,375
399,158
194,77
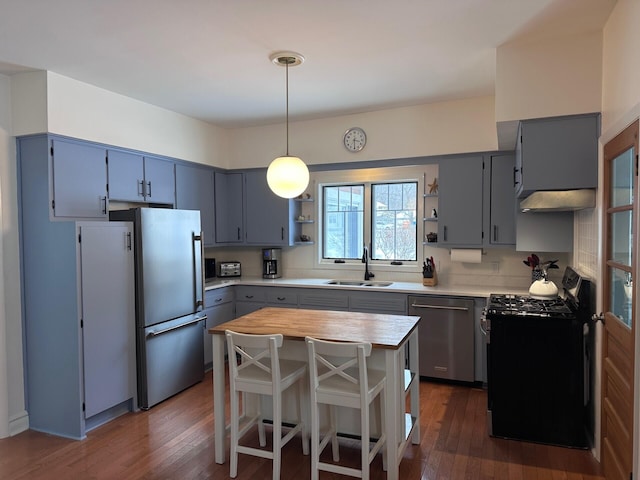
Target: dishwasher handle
439,307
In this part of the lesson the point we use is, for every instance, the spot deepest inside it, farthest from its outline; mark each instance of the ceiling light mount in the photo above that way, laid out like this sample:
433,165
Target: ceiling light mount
284,59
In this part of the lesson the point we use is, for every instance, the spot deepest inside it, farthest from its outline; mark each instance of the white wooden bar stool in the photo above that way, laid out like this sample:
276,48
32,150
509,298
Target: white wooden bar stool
255,368
339,376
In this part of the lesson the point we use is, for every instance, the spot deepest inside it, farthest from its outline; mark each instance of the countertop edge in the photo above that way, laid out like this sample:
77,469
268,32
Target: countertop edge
411,288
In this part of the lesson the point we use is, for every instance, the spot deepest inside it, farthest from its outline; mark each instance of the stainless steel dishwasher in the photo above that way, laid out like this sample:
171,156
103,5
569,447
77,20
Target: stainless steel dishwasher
445,336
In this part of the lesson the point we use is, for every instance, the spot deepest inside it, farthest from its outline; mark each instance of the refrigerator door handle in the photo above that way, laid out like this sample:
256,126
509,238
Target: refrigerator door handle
199,280
182,325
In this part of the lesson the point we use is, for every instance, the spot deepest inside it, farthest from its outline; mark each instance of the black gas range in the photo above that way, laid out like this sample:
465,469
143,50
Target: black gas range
539,365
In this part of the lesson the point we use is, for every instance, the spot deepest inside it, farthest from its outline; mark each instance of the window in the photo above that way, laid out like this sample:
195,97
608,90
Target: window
394,226
390,224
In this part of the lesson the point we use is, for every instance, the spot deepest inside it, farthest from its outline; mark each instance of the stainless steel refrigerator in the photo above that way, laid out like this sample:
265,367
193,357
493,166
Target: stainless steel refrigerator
169,279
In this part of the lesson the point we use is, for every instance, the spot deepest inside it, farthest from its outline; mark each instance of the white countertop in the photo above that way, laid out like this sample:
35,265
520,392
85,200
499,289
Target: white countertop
412,288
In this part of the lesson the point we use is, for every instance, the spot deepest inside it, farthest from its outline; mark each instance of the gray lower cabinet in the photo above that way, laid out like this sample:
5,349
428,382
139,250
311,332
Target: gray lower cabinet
219,308
378,302
194,191
107,315
282,297
249,299
323,299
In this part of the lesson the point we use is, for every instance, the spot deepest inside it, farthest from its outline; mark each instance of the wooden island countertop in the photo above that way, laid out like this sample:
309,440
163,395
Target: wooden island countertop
381,330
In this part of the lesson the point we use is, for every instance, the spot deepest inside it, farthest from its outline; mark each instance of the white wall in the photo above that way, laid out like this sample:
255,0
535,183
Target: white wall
12,409
440,128
551,77
48,102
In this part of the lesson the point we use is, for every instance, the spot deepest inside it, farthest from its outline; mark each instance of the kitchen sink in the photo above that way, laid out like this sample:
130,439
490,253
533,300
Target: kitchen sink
359,283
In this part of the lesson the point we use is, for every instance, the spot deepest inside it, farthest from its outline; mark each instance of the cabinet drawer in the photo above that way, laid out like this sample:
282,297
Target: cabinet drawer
284,296
245,293
323,299
376,302
218,296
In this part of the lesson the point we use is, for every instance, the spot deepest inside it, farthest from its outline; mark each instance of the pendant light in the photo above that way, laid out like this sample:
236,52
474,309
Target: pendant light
287,176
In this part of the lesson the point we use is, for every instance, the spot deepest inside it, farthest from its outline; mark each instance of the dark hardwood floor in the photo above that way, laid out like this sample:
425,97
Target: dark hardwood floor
174,440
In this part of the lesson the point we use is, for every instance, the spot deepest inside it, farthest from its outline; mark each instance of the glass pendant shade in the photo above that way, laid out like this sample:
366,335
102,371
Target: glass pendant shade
288,176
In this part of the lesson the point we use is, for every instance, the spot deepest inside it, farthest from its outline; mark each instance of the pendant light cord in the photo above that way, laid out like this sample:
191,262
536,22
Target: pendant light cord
288,60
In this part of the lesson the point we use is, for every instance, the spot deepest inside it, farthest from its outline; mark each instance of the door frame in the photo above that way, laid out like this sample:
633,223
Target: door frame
628,118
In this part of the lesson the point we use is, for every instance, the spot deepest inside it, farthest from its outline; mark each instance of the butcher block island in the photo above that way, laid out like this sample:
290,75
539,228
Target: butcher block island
395,349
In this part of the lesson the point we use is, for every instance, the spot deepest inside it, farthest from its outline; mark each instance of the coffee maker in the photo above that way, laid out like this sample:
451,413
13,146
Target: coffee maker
271,262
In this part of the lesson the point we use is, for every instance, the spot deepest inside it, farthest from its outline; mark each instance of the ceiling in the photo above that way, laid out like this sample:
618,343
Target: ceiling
209,59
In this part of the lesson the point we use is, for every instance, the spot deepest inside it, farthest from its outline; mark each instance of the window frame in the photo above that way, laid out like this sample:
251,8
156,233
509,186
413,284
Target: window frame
369,176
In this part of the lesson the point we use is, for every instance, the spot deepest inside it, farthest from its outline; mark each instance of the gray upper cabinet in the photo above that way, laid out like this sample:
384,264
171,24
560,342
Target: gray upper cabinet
266,214
228,208
460,202
502,213
195,191
558,153
137,178
79,178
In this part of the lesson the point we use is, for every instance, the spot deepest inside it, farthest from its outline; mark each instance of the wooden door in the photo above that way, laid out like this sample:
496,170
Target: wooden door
620,227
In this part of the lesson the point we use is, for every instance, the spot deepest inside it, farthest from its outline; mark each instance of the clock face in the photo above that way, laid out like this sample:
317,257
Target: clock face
355,139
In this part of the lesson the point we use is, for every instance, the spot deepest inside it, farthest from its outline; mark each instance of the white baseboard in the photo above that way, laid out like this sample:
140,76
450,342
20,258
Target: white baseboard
19,423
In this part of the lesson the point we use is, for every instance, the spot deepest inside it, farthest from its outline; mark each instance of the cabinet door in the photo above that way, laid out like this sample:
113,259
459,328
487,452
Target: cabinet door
194,191
220,309
228,207
266,214
159,181
126,176
460,202
558,153
108,315
79,180
503,203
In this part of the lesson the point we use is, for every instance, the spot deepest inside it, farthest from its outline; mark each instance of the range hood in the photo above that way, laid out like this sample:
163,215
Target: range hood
559,201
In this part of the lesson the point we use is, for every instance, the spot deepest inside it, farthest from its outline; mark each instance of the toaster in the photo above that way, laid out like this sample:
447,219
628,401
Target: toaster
229,269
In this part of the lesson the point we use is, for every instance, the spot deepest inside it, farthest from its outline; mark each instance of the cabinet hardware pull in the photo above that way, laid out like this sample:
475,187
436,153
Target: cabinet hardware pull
282,233
495,233
104,205
140,188
282,298
149,185
128,240
238,233
160,332
199,281
445,232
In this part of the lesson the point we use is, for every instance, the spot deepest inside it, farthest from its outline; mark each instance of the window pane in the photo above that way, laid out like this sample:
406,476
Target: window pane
343,226
621,237
622,179
394,221
620,301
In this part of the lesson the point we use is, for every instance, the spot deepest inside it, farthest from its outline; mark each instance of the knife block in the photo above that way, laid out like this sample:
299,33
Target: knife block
431,281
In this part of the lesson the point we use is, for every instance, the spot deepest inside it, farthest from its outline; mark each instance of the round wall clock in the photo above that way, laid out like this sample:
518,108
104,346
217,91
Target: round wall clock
355,139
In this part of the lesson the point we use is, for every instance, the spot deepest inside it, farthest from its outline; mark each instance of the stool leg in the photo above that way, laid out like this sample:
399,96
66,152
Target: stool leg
277,434
333,418
364,445
302,416
235,420
383,417
315,440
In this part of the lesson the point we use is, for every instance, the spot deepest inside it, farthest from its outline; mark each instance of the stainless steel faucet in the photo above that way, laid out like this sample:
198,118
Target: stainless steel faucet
365,259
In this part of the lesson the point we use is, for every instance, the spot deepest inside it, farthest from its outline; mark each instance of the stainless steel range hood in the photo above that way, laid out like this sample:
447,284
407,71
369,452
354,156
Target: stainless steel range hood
559,201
